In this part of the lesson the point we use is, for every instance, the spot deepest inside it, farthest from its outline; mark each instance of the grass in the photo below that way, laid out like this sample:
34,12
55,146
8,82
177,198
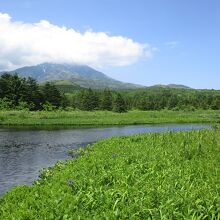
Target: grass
97,118
172,175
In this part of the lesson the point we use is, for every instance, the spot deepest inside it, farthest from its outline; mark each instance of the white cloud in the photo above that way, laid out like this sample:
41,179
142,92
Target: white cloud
33,43
172,44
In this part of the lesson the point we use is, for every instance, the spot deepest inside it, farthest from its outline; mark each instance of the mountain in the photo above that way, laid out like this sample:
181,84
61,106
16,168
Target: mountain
65,85
173,86
75,74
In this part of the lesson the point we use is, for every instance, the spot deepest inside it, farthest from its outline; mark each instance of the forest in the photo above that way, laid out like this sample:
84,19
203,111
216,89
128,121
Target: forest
26,93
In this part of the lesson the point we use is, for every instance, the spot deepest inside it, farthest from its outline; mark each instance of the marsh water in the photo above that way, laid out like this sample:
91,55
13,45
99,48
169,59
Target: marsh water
23,153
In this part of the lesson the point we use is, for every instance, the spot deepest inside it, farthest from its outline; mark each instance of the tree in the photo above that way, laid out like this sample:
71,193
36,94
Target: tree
216,103
18,90
64,101
106,100
93,99
33,95
172,102
144,103
12,87
51,94
88,100
119,104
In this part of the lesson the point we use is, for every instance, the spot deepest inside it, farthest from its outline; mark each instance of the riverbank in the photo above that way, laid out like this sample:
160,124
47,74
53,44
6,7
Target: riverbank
24,151
98,118
159,176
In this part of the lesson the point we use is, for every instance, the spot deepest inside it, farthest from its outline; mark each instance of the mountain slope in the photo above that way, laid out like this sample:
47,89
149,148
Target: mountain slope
173,86
64,85
81,75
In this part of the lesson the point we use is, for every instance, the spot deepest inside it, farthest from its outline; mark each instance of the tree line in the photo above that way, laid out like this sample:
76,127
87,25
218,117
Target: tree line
17,92
146,99
21,93
175,99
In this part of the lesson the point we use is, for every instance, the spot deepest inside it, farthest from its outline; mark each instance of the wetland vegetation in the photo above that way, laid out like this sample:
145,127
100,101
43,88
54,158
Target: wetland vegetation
99,118
173,175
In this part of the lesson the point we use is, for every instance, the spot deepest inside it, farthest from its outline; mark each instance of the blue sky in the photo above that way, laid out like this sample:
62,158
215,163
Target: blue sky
182,35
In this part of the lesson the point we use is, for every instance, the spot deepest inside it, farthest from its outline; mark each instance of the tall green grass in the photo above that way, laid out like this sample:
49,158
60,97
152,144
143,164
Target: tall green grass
149,176
76,118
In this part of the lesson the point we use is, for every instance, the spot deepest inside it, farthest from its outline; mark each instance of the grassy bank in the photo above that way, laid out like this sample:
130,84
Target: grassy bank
150,176
76,118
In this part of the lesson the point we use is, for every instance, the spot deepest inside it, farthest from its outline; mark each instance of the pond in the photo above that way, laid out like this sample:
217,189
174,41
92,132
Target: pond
23,153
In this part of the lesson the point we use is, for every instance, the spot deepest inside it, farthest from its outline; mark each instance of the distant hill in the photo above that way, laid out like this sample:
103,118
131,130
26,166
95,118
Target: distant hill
64,85
72,74
172,86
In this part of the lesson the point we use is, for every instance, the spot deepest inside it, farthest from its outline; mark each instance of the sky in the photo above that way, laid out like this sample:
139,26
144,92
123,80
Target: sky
145,42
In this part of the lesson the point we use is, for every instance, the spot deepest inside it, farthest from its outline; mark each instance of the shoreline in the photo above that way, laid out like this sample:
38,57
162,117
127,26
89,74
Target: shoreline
83,119
87,126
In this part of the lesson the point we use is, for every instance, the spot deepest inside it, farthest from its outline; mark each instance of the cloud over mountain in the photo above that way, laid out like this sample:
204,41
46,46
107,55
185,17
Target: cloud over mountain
32,43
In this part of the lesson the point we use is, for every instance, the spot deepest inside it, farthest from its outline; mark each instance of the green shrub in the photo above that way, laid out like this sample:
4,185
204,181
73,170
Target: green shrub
5,104
48,107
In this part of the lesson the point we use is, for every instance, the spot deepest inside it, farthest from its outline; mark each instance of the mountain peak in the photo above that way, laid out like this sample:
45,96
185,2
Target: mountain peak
81,75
